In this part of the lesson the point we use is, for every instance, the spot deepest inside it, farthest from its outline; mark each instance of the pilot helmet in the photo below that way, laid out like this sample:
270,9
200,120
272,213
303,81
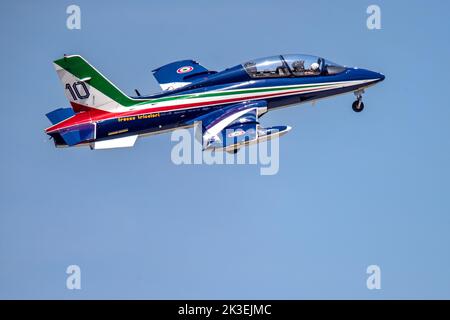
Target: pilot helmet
315,66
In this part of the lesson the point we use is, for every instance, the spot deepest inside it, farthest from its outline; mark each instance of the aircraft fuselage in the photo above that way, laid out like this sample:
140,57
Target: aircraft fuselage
180,107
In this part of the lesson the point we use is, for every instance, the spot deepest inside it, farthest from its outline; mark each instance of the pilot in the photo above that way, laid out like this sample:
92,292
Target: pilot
298,66
282,71
315,67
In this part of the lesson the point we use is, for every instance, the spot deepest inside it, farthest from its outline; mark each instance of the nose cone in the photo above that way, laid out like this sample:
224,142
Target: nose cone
378,77
363,74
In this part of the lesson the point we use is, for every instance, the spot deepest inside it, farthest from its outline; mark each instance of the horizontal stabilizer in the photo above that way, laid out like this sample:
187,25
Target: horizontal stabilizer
237,114
59,115
77,134
236,137
235,126
179,74
272,132
123,142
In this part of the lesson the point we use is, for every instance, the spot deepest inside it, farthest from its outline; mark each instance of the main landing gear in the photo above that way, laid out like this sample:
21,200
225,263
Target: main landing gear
358,105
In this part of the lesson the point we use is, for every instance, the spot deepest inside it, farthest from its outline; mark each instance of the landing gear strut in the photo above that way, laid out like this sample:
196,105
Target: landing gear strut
358,105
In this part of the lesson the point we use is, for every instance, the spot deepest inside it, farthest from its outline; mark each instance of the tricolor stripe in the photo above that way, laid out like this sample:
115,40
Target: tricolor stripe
196,101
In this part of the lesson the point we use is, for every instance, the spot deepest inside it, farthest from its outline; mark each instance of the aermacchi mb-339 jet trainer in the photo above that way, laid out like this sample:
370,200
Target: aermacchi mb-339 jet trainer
228,103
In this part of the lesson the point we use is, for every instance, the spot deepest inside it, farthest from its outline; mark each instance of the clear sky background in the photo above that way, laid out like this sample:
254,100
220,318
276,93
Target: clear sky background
352,189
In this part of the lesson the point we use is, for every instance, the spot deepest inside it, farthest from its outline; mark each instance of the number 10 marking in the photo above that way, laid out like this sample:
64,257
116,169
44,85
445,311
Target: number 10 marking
75,93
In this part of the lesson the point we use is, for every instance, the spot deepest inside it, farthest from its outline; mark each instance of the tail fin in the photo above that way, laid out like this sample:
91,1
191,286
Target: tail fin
87,88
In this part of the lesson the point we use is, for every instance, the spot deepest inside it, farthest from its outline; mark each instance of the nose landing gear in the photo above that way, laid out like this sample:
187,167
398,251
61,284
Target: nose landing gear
358,105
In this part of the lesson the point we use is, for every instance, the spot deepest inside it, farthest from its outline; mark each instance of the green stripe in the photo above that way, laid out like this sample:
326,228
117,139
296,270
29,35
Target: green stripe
227,93
80,68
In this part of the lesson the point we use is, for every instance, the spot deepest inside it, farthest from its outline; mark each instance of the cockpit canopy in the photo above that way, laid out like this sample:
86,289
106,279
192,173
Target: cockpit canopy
291,65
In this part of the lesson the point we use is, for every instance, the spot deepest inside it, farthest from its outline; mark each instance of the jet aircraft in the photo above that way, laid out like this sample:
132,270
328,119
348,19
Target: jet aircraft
228,103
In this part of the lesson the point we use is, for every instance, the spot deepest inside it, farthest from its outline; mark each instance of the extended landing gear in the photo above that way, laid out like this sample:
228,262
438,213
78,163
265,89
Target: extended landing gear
358,105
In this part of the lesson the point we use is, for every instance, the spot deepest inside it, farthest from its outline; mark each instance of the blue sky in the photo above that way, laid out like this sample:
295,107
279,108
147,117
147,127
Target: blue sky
352,189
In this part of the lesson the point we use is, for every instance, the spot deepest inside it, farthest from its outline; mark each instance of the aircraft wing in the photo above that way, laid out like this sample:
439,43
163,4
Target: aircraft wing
179,74
236,125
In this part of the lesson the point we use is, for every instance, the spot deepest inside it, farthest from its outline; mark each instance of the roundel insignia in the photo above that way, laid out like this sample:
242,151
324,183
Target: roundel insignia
236,133
185,69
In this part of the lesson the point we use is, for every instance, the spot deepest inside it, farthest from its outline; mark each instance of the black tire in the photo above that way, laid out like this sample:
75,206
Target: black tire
358,106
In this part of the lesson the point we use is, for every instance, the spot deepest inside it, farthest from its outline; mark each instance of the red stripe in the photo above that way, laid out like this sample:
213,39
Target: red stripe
92,114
